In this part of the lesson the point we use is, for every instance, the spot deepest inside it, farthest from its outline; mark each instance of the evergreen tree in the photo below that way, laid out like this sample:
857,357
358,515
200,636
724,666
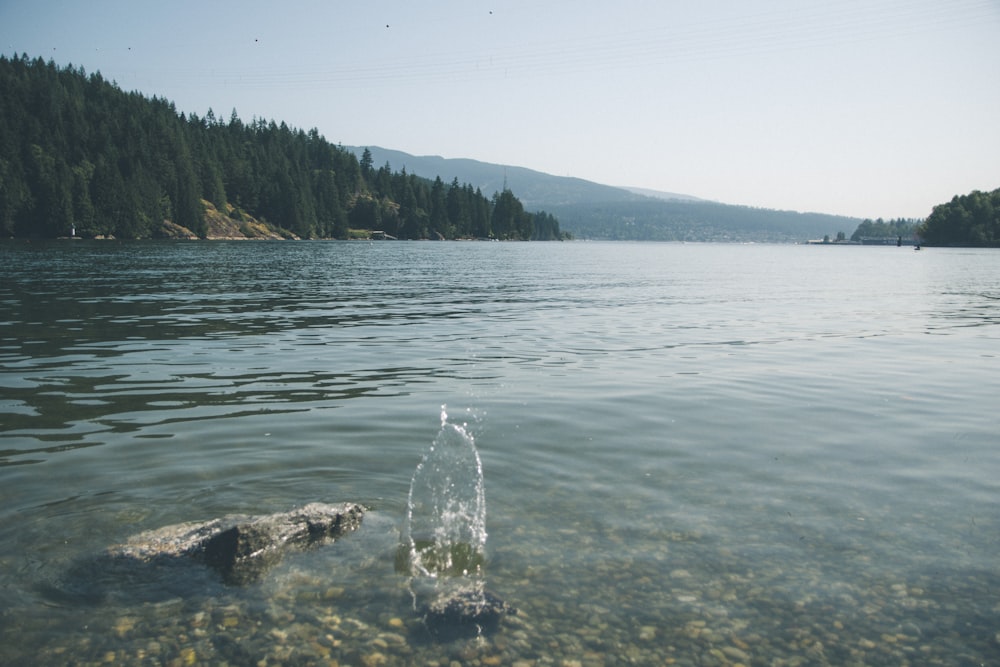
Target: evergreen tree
507,220
456,205
481,214
365,213
76,151
366,165
438,218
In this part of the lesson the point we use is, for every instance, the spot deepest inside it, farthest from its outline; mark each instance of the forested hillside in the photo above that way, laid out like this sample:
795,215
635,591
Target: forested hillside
536,189
658,220
78,154
967,220
594,211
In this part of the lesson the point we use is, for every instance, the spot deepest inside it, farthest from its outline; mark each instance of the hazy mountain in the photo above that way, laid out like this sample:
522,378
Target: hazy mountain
535,189
657,194
591,210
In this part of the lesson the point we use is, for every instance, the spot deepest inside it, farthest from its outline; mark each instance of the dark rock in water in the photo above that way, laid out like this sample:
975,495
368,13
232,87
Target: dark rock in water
465,613
242,548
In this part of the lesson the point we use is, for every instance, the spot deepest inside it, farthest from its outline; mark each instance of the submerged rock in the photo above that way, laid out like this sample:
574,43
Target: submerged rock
468,612
240,547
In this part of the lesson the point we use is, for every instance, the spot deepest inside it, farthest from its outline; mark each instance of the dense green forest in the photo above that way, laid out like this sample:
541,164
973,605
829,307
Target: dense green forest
79,154
967,220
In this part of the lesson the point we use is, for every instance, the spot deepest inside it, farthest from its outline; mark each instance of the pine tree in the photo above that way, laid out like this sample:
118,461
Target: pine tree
76,151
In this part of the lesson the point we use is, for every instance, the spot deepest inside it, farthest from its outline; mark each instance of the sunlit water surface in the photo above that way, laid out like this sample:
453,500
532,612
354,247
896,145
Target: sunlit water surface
692,454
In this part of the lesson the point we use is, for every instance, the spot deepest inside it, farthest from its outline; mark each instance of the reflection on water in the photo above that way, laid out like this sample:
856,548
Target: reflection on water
696,454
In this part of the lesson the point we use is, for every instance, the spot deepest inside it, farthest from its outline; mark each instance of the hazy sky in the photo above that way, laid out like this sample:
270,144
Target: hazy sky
858,107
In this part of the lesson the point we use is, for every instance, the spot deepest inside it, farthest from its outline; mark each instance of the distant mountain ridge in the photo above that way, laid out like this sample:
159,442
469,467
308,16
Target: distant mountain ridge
532,187
669,196
592,210
535,189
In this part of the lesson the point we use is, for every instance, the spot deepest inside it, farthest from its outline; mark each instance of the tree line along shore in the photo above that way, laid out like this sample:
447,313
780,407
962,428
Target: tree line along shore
79,156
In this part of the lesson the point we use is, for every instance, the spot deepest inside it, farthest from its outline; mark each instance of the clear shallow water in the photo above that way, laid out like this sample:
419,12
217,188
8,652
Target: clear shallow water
703,454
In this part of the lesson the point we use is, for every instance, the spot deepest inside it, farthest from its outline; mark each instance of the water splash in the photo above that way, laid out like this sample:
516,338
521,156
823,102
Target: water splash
444,538
445,529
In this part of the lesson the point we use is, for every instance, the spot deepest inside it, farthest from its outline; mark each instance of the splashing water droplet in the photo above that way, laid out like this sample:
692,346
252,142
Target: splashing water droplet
445,529
444,538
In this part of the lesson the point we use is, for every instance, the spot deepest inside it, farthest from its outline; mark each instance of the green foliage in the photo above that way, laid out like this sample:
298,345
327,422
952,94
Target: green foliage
881,229
967,220
77,153
509,219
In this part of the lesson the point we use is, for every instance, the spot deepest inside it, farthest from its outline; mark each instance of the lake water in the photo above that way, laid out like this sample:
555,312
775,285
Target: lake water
692,454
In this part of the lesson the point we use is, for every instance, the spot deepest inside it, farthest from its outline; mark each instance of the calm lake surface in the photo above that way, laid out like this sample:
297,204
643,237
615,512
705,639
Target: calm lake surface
693,454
